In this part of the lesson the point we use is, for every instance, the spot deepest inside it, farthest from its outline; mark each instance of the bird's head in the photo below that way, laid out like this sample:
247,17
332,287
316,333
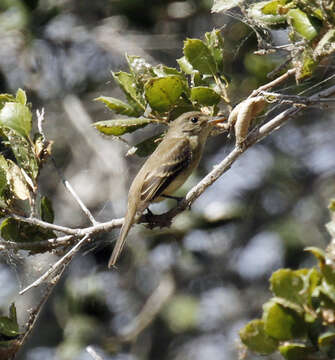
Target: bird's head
194,123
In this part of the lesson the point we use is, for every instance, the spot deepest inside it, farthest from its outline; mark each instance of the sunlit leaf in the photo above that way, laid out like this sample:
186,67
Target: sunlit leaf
294,285
3,175
302,24
140,68
23,150
204,96
185,66
256,339
4,98
199,56
326,46
255,11
282,323
17,117
21,97
295,351
214,41
223,5
162,71
273,7
326,342
17,182
163,93
127,83
120,107
119,127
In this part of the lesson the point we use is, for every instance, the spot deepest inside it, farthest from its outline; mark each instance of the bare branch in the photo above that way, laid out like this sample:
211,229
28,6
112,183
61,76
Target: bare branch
61,262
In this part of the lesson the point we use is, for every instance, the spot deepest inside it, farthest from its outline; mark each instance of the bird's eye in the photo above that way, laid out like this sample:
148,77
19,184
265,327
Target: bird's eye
194,120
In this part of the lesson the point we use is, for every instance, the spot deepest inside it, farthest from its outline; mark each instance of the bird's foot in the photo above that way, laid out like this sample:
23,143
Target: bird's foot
153,220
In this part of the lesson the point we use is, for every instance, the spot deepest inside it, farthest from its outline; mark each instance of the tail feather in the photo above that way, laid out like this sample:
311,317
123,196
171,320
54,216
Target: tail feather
128,222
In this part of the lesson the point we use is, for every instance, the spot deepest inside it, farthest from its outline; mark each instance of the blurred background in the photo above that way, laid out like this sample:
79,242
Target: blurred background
197,283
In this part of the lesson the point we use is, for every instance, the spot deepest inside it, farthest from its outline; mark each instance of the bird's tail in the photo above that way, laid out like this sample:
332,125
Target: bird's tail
128,222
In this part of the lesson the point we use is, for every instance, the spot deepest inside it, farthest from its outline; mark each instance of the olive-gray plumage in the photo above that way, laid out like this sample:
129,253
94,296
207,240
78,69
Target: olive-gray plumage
167,168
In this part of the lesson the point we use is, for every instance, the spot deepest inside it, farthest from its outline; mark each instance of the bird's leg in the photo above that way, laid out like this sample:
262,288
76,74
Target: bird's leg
177,198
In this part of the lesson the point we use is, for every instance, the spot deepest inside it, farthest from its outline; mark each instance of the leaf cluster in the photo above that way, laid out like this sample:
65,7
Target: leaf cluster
20,169
160,93
313,22
299,320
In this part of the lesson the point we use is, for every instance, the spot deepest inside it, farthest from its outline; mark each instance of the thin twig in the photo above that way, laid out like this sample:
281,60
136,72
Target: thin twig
61,262
273,83
70,189
68,186
46,225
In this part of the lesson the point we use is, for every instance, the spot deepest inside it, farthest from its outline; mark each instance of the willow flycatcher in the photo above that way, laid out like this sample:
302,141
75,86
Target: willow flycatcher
167,168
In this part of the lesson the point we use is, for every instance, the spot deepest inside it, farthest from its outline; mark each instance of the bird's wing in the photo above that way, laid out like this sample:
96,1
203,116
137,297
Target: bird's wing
175,157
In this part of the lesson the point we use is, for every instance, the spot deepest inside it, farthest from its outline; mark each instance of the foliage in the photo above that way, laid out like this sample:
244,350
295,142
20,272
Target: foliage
298,320
159,93
311,22
20,169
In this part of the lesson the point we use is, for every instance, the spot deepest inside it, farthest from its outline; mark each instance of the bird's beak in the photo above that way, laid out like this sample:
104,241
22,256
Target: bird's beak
217,120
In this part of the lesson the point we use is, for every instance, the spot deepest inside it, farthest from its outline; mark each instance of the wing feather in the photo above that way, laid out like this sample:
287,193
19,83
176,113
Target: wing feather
175,160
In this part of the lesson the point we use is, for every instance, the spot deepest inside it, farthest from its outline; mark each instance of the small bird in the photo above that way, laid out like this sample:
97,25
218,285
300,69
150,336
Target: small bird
167,168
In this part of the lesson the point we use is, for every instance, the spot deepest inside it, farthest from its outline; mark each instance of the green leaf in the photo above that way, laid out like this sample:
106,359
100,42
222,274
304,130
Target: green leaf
18,231
163,71
199,56
4,98
327,269
256,12
224,5
17,182
145,147
23,151
16,116
8,327
256,339
120,107
326,342
140,69
295,351
214,42
302,24
204,96
46,210
273,7
119,127
21,97
12,312
185,66
282,323
326,46
295,286
3,175
163,93
128,84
